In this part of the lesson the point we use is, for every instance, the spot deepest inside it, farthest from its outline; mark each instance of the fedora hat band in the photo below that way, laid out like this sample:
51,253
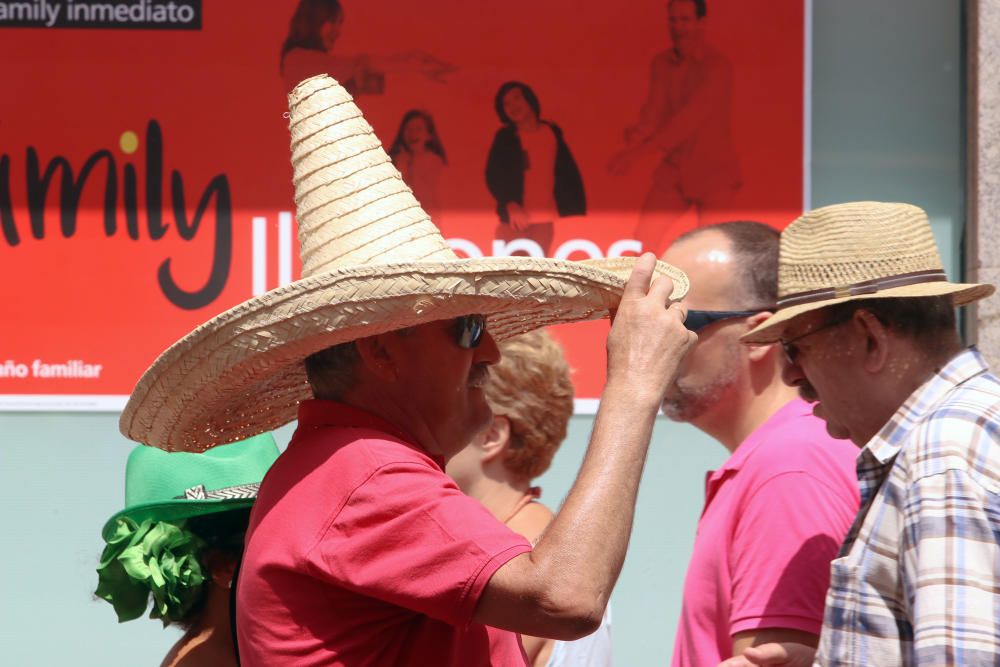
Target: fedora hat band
238,492
865,287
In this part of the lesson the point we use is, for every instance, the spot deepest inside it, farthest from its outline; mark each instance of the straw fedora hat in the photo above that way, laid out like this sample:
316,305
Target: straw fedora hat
372,262
860,250
170,486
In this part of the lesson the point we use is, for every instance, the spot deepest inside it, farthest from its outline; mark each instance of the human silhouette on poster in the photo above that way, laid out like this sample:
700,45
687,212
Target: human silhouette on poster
313,32
687,119
530,170
419,155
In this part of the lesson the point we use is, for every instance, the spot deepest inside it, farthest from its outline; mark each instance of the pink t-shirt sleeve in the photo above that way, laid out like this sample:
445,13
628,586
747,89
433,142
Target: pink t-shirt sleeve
787,534
410,537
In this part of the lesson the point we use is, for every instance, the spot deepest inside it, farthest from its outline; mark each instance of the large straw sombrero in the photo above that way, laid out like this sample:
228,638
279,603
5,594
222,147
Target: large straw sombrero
860,250
372,261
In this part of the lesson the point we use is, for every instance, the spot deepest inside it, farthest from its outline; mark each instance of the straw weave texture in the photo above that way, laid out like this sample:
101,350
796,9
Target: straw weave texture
352,204
839,246
372,262
851,243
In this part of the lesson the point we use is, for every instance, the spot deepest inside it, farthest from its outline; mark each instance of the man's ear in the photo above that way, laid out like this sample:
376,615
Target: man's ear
376,356
875,339
757,353
497,438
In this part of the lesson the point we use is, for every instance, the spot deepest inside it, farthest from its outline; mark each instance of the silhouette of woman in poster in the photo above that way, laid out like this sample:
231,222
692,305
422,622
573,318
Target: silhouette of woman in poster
419,155
530,170
308,50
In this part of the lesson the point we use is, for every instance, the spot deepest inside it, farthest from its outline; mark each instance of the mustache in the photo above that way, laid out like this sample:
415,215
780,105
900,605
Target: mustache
479,375
807,392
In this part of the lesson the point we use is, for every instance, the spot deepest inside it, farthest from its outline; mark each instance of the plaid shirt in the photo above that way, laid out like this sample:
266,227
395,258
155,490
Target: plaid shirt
917,581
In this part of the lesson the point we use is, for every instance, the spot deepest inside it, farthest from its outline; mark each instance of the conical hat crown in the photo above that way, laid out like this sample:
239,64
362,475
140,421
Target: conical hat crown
372,262
353,207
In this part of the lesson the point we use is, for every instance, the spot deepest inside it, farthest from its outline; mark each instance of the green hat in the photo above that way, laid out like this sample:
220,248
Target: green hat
169,486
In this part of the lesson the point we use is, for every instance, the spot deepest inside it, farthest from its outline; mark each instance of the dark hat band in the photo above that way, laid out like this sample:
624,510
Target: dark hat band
866,287
238,492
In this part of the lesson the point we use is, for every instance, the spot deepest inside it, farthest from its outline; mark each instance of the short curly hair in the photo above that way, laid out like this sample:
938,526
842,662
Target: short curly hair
531,388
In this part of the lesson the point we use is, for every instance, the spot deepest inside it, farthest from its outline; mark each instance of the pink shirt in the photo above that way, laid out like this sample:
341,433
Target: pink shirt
361,551
775,515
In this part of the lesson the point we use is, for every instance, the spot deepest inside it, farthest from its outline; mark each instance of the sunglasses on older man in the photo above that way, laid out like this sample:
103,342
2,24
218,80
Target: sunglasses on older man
469,330
699,319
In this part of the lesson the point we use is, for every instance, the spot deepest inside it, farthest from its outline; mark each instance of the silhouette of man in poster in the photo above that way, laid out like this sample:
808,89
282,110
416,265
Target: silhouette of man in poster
686,119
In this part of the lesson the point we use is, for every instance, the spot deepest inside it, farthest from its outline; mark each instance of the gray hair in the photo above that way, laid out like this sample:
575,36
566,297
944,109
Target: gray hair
332,371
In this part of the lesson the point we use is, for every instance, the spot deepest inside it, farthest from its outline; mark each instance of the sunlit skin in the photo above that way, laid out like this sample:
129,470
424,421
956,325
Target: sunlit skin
859,371
723,387
422,381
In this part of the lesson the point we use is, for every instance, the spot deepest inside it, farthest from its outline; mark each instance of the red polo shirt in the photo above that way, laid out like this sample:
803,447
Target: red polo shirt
361,551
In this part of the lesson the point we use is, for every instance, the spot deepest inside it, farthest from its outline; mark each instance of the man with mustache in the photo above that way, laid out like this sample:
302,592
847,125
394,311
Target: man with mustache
361,550
777,509
866,317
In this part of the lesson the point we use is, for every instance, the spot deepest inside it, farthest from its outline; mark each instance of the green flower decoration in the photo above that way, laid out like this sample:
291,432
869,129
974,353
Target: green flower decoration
152,557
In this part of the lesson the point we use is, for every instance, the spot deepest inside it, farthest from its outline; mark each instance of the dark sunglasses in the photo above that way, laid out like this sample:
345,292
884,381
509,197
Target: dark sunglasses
469,330
699,319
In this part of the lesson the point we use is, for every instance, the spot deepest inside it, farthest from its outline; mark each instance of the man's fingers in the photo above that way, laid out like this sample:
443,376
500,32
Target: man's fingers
737,661
661,289
642,272
767,654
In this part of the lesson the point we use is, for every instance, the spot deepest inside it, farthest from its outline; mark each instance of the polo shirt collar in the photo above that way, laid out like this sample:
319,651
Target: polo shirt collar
886,444
794,408
317,412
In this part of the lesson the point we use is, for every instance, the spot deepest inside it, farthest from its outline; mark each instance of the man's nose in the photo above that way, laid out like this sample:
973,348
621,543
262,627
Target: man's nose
487,351
791,374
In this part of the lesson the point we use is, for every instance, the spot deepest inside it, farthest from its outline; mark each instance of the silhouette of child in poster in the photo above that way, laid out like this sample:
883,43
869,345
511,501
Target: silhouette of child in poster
419,155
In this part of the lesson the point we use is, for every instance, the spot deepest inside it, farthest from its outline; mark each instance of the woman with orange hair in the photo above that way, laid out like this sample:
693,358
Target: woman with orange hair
531,396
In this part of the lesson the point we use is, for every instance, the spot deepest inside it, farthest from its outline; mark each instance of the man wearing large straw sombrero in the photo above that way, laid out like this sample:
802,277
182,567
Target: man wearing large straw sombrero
360,549
866,318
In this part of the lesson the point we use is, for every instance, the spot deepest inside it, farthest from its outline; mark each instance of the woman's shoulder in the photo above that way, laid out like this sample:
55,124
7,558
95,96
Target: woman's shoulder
531,521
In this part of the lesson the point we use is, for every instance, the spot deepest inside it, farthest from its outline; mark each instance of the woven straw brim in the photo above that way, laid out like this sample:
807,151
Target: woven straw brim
772,329
241,373
175,510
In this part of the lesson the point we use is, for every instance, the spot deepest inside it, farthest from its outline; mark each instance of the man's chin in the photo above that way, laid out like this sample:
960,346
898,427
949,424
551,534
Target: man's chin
834,429
675,411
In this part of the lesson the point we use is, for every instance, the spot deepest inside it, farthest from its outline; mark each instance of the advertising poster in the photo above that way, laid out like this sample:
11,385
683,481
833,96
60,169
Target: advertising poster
145,183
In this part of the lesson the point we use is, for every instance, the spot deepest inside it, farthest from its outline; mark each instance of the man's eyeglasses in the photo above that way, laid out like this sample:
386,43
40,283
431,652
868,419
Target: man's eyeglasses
792,350
469,330
699,319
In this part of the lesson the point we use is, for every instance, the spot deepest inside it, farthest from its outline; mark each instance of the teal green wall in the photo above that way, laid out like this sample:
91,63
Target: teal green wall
887,124
887,109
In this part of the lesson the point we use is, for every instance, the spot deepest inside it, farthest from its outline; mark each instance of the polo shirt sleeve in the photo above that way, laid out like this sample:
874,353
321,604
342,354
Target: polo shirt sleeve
410,537
790,528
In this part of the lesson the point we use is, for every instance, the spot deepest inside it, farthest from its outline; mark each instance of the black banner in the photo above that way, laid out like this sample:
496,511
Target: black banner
115,14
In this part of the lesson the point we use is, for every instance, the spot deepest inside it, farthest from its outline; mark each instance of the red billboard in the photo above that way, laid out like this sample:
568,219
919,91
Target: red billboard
145,183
